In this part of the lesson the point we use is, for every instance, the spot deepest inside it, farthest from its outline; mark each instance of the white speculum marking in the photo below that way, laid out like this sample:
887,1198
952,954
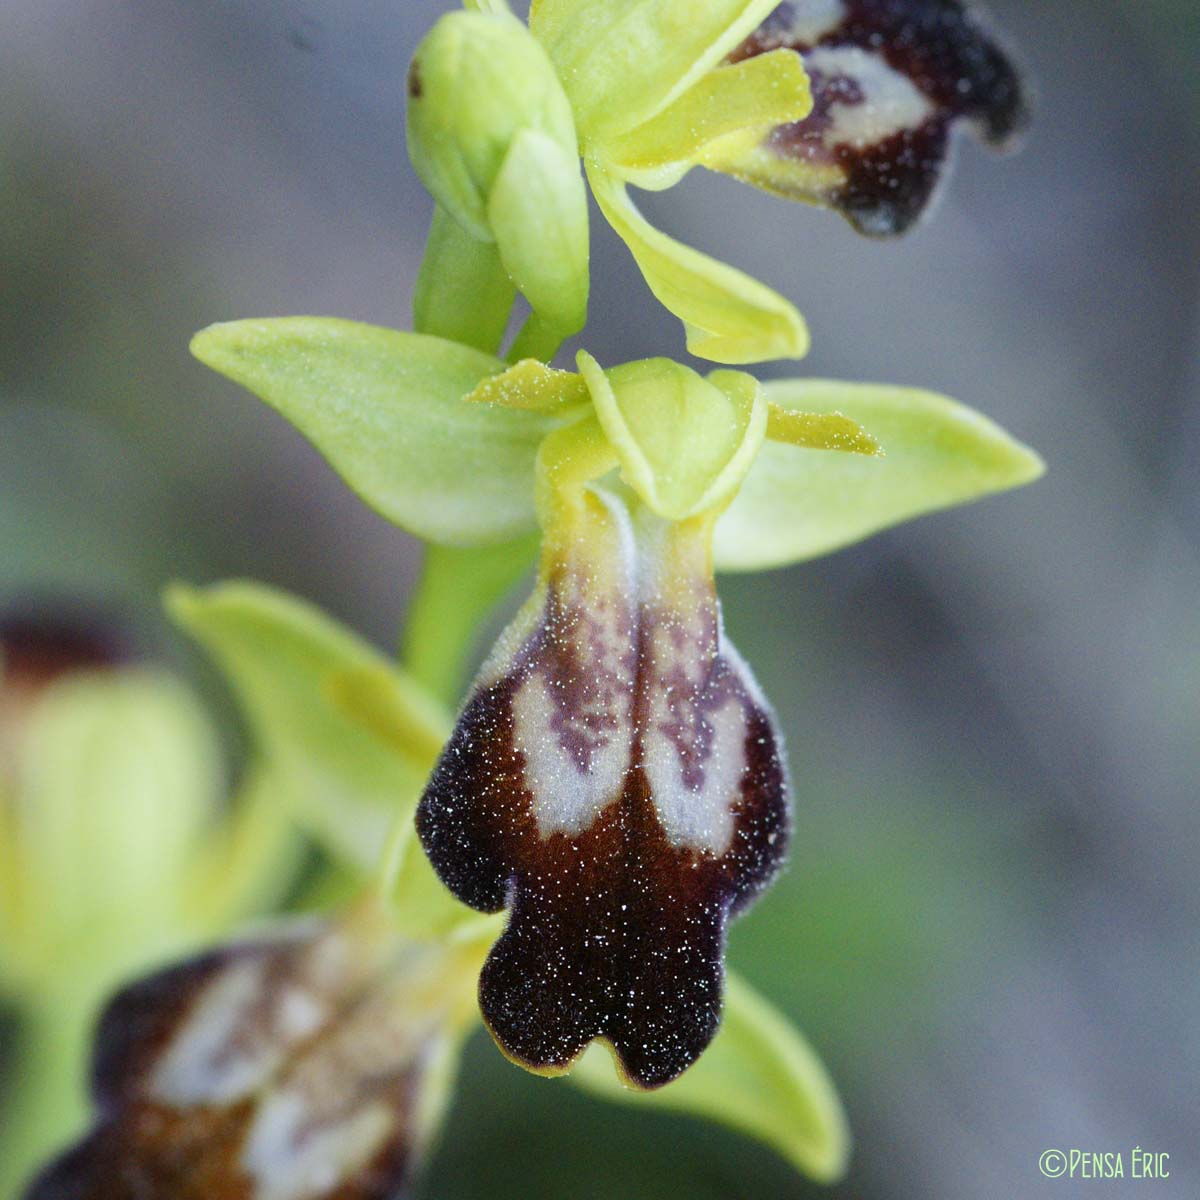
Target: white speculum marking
569,794
810,21
228,1046
342,1103
890,102
573,714
249,1017
693,747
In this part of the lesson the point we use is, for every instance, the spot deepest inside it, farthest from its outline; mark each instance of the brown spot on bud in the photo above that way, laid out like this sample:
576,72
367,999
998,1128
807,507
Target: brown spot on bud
414,81
40,644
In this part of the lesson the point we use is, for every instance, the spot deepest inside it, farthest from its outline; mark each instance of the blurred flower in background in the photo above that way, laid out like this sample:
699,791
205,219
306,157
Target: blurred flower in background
989,926
114,853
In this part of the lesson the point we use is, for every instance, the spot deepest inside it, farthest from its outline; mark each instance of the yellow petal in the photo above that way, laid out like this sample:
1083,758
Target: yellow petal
534,386
819,431
730,317
753,95
623,61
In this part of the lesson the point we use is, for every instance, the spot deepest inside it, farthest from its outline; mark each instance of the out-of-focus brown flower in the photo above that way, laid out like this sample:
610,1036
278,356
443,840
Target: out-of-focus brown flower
309,1063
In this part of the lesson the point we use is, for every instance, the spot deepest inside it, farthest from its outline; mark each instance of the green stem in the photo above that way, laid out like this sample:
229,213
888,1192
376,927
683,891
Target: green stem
457,590
463,292
45,1095
537,340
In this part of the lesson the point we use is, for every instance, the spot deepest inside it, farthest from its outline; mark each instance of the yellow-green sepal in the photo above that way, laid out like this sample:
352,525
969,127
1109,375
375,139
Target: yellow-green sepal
756,94
343,739
798,503
729,316
386,409
685,442
290,668
623,61
759,1076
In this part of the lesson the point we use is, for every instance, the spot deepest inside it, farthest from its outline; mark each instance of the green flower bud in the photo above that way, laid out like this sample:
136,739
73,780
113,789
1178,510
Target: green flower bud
110,777
490,133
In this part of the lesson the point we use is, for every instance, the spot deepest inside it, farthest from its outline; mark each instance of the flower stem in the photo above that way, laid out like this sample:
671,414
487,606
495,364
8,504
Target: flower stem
457,590
496,7
463,292
45,1102
537,340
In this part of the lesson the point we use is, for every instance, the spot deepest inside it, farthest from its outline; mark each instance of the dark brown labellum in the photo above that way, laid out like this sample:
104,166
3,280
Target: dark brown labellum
282,1069
616,780
890,78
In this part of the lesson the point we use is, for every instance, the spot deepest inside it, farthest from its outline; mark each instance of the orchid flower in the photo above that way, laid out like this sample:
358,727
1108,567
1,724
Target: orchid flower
614,751
843,103
615,777
642,90
316,1057
307,1061
116,850
889,81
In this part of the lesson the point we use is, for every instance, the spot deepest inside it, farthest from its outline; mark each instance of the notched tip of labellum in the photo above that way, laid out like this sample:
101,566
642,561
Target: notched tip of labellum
616,780
283,1069
890,80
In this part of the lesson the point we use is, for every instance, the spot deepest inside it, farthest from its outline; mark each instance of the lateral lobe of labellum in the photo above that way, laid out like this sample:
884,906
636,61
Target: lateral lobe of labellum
286,1069
889,79
615,779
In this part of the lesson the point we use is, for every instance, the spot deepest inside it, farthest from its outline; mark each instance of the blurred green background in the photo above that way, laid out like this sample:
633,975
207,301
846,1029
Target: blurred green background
989,926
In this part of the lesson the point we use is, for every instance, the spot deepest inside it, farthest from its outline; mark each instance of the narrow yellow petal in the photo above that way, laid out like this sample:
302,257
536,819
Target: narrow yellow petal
753,95
730,317
820,431
533,386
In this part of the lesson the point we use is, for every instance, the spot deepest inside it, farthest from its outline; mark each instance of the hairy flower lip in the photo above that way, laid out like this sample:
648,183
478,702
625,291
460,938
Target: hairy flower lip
288,1066
890,80
616,781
